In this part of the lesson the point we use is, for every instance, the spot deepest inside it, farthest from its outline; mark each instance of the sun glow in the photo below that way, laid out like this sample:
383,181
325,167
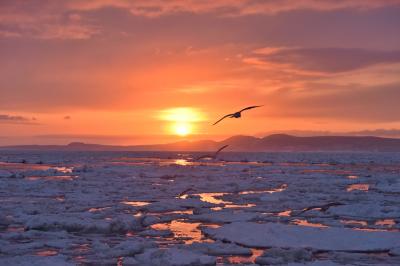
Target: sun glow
182,129
181,121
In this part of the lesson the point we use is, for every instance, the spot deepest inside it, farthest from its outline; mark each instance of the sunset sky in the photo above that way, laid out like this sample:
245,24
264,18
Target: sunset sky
139,72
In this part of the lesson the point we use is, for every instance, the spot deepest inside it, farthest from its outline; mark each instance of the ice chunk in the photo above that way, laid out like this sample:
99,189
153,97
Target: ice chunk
118,224
128,261
174,257
5,221
371,210
395,251
220,248
150,219
284,256
317,263
225,216
292,236
59,260
5,174
130,247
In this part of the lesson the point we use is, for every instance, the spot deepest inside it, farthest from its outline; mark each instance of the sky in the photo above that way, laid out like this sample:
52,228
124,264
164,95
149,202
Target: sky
139,72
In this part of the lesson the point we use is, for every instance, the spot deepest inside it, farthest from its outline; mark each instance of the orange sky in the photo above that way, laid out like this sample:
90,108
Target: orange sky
132,72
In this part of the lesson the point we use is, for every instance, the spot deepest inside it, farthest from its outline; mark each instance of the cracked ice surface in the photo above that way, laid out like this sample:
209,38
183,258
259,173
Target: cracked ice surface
149,208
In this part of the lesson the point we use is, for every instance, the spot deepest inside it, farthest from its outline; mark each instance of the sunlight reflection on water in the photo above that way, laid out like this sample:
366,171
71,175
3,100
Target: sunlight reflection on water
23,166
285,213
182,162
362,187
54,178
307,223
270,191
352,176
354,222
46,253
189,212
136,203
386,222
246,259
212,198
188,232
99,209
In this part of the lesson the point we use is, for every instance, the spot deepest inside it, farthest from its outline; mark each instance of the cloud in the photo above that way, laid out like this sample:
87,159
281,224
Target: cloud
72,32
111,72
155,8
42,20
348,103
226,20
67,117
322,60
9,34
15,119
72,19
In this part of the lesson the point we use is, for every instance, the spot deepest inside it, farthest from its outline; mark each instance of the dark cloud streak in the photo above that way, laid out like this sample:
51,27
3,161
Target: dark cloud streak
14,119
330,60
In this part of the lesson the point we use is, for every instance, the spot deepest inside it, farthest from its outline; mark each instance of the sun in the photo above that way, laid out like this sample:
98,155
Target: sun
182,121
182,129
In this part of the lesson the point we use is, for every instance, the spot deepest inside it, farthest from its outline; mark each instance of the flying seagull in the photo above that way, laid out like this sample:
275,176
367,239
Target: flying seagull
212,156
183,193
322,208
237,114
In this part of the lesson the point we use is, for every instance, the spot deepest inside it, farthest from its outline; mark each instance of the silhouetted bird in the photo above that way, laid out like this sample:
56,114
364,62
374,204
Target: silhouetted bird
322,208
237,114
212,156
183,193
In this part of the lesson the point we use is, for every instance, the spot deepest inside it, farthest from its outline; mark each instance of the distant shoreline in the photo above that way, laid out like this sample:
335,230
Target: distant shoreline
271,143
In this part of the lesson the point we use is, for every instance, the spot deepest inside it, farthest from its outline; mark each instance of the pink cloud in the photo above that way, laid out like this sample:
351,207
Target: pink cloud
43,21
153,8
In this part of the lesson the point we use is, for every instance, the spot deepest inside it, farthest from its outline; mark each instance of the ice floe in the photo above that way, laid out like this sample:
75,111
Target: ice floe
132,208
174,257
293,236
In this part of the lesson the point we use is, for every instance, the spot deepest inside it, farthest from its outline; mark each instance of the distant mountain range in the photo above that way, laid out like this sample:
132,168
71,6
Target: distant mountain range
276,142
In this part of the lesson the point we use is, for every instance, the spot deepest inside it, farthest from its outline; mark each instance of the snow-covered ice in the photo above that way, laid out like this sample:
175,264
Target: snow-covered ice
162,208
174,256
292,236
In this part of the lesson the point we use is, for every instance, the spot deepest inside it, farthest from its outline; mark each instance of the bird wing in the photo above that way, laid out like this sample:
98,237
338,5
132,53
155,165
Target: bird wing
220,149
222,119
322,207
250,107
184,192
